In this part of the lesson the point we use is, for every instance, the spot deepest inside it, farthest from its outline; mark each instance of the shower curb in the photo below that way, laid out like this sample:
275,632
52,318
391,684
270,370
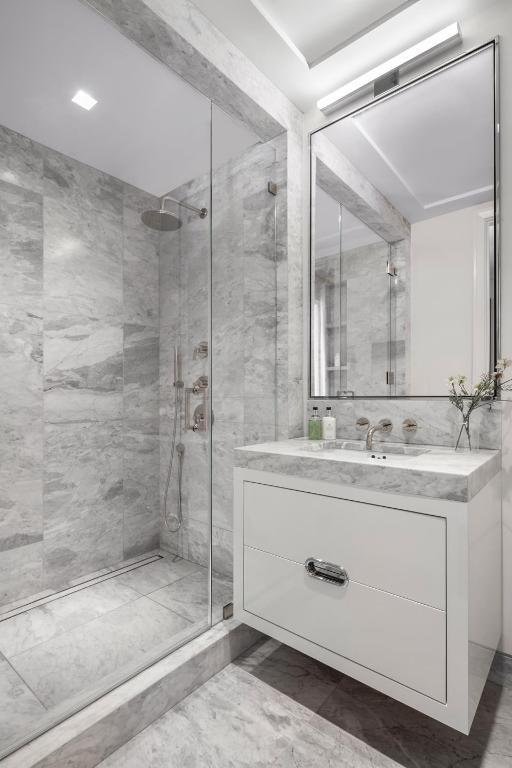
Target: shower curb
91,735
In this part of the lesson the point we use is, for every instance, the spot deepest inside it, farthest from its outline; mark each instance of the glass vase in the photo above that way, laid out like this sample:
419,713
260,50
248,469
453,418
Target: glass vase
464,438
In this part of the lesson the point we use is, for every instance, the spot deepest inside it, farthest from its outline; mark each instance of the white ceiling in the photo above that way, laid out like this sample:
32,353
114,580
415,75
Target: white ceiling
428,149
281,36
319,30
149,128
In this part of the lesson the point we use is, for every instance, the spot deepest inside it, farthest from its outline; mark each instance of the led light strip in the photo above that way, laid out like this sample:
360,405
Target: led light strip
446,36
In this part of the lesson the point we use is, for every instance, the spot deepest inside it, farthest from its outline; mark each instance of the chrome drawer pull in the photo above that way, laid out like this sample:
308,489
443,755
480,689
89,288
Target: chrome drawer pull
321,569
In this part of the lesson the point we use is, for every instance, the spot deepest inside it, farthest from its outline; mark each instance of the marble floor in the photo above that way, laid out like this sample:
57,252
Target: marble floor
56,655
275,707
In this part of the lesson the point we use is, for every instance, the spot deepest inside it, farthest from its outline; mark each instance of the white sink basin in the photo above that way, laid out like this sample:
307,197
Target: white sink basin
379,450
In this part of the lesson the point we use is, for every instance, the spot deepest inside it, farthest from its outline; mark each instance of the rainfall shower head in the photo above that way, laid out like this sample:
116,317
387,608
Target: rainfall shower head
166,221
162,220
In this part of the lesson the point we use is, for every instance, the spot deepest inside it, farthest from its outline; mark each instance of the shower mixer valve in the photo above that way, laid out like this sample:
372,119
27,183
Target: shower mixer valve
199,421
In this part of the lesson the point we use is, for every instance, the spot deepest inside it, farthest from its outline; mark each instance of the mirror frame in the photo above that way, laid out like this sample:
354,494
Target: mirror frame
495,340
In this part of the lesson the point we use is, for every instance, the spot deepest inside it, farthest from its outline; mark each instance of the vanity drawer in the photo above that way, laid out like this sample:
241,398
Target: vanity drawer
391,635
394,550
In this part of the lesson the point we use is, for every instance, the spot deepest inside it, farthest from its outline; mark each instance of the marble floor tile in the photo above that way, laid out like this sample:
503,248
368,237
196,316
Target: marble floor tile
292,673
55,655
18,705
501,670
403,737
78,660
228,722
275,707
187,596
40,624
154,576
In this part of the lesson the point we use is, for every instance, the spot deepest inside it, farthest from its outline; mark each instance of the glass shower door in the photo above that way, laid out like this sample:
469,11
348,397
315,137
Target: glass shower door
248,195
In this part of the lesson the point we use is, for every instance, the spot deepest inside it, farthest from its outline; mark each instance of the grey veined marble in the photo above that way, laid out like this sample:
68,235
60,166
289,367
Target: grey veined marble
438,472
276,707
79,348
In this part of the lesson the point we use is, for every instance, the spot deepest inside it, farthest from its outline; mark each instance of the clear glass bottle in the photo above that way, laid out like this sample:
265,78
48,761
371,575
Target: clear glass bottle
329,425
315,425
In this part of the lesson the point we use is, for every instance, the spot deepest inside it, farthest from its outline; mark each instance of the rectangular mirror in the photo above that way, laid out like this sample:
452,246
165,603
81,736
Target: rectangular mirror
403,238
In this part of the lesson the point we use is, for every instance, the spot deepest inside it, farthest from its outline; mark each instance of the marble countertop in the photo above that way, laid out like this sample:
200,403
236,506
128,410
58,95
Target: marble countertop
438,472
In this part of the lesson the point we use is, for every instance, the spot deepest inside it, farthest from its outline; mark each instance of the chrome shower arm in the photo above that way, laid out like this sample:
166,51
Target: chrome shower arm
202,212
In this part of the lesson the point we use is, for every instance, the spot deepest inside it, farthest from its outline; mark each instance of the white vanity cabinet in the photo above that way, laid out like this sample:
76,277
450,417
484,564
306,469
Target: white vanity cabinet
400,592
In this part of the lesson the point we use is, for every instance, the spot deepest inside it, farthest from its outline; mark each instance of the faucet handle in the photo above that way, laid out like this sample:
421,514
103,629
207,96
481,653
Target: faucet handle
385,425
362,423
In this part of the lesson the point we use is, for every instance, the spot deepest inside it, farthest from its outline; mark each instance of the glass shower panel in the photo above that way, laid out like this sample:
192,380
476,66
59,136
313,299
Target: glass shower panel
105,344
246,223
365,308
329,308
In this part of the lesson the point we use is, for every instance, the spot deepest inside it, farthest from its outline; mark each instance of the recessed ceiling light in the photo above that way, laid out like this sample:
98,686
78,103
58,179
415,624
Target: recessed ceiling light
446,36
84,100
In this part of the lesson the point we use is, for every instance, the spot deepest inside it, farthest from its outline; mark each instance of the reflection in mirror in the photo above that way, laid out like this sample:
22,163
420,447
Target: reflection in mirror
402,242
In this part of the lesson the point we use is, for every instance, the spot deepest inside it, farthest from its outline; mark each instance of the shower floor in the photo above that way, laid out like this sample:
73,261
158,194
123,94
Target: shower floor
72,647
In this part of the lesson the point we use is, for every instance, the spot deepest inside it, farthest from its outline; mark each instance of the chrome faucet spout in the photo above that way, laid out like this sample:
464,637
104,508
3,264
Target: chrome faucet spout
384,425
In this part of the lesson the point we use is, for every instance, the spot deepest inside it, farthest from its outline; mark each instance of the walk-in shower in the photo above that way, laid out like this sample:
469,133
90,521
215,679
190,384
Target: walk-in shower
127,317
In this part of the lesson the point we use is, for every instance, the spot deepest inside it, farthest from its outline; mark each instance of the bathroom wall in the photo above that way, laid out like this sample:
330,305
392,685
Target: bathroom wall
244,337
181,36
443,265
479,23
79,383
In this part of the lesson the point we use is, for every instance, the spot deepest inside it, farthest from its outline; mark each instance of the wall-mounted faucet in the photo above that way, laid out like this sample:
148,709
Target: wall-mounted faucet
384,425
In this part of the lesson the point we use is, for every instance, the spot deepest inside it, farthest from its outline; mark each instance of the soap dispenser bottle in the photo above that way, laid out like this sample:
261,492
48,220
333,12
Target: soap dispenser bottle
315,425
329,425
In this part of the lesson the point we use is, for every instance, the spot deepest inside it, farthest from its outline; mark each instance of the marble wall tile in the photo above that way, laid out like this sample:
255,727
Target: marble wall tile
222,552
438,421
226,436
83,498
83,366
140,376
140,492
21,161
21,383
140,260
199,534
21,572
79,346
21,241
